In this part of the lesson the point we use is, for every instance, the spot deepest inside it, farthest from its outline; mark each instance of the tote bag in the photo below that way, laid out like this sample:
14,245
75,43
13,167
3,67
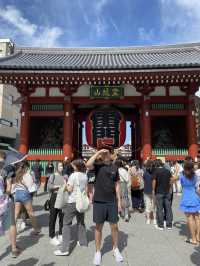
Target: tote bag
82,200
62,198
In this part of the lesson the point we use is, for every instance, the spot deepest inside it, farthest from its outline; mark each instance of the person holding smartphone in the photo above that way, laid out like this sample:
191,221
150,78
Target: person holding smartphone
107,199
56,180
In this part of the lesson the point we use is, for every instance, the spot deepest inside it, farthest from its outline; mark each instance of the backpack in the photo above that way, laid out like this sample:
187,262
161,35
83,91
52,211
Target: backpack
135,180
82,200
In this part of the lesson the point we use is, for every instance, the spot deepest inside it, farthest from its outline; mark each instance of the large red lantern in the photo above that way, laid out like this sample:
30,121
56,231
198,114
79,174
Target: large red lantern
105,126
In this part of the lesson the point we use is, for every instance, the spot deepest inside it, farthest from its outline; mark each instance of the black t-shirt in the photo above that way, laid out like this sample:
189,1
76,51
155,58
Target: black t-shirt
106,176
162,177
147,182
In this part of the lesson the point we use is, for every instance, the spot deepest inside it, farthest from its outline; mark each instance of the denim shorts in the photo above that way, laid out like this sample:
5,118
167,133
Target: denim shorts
22,196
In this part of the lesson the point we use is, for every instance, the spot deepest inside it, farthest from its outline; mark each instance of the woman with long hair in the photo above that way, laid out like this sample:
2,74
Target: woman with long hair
56,181
190,201
22,194
77,178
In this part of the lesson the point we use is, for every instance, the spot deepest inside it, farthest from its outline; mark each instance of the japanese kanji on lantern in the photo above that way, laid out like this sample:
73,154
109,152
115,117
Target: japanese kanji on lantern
105,126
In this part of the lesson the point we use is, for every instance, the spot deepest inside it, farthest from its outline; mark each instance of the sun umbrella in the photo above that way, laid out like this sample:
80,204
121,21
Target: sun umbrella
12,156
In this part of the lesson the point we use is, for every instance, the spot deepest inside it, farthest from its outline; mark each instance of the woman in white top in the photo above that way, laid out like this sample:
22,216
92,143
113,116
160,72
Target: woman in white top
79,177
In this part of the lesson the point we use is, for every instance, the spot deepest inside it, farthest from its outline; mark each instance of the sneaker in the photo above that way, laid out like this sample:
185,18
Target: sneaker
54,241
127,218
154,222
169,228
60,253
117,255
15,253
159,228
148,221
60,239
97,258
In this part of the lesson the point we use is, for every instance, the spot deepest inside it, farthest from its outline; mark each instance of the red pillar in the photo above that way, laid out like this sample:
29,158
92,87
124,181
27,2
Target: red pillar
68,129
146,129
191,128
24,129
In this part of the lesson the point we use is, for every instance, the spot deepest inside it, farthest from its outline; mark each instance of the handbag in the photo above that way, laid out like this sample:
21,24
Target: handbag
47,205
82,200
62,198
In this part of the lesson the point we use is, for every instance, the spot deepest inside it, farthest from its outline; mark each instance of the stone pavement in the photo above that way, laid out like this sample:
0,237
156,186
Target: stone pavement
141,244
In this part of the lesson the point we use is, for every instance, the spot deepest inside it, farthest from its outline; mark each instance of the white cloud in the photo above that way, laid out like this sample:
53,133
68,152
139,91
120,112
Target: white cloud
32,34
48,37
14,16
100,4
114,25
93,17
145,35
180,20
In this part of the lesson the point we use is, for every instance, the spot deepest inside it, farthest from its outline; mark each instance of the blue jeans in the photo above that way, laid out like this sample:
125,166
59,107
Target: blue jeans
164,208
22,196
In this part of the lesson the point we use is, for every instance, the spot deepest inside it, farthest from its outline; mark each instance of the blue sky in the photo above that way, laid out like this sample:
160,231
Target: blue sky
67,23
53,23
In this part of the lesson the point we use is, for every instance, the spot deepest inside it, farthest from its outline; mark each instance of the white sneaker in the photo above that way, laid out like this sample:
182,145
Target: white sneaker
117,255
169,228
127,218
60,253
60,238
20,226
148,221
54,241
159,228
97,258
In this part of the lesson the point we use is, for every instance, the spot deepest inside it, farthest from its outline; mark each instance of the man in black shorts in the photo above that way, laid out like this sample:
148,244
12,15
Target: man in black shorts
107,200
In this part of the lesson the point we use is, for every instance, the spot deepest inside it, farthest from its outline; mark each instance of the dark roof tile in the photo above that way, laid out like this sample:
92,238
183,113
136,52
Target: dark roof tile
172,56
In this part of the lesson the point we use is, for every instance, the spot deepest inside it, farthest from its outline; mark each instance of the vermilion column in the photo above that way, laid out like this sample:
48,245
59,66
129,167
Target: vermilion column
191,128
24,129
68,129
146,129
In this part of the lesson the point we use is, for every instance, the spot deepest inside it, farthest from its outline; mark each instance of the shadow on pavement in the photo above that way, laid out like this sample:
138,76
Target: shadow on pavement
28,262
195,257
25,242
49,264
43,219
107,245
182,226
5,254
90,234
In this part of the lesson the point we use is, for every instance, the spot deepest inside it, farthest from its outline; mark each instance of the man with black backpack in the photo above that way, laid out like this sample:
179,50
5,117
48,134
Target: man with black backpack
107,199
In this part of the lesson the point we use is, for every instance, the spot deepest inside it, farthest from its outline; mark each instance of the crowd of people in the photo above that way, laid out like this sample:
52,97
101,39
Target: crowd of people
114,186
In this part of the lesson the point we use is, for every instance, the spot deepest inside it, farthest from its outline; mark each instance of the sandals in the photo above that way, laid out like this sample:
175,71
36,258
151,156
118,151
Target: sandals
35,232
189,241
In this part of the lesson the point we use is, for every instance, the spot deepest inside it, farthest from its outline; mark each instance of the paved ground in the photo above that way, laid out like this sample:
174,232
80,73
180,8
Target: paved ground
141,244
